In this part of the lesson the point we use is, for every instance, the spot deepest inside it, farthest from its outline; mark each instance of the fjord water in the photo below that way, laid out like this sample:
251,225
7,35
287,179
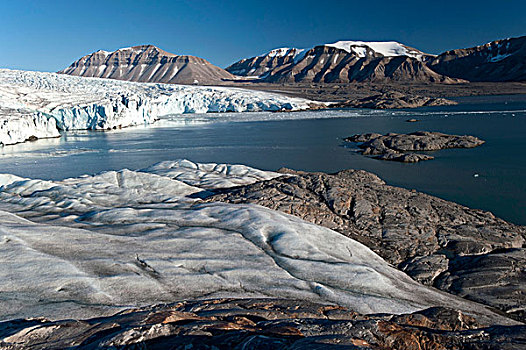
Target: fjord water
491,177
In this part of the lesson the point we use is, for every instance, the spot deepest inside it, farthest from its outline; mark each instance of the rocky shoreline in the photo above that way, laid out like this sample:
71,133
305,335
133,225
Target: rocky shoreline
463,251
475,259
261,324
401,147
394,100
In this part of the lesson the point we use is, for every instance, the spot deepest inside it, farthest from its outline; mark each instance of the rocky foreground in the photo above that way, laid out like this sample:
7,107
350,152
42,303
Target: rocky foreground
357,264
261,324
463,251
401,147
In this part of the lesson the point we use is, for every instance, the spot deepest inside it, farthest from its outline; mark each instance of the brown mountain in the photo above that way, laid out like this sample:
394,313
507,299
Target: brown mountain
501,60
261,65
147,63
343,61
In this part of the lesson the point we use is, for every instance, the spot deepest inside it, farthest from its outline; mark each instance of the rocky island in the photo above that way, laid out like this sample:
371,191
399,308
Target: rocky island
401,147
394,100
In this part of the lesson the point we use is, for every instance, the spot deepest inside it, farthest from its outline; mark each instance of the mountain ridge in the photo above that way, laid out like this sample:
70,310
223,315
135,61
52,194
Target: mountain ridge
499,60
359,61
338,62
342,61
147,63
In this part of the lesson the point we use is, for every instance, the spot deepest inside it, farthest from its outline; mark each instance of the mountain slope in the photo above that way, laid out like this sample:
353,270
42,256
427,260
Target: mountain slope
147,63
260,65
501,60
343,61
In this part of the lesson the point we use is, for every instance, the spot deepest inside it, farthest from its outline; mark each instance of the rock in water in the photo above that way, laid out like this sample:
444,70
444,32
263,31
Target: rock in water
400,147
395,100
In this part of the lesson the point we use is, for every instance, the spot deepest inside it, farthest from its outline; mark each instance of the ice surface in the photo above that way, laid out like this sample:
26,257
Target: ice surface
283,52
385,48
77,103
18,125
98,244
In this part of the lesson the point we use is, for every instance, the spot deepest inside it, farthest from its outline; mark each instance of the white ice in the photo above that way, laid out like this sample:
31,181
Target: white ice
385,48
93,103
94,245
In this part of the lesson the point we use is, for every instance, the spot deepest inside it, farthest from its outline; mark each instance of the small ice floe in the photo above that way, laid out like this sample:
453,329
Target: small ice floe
476,175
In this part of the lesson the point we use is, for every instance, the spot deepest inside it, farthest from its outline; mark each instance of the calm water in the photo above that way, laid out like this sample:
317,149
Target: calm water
313,144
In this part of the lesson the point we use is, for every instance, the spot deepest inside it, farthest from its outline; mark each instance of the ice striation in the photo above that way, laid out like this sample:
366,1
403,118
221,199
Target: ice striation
93,245
19,125
27,99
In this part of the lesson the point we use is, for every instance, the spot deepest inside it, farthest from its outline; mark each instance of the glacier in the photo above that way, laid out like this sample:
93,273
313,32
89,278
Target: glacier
43,103
98,244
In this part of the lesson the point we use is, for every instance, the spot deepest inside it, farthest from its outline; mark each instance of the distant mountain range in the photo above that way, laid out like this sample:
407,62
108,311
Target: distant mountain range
501,60
343,61
147,63
339,62
358,61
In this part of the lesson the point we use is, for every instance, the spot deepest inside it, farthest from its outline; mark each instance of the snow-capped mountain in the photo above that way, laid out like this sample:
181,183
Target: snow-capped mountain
378,48
147,63
37,105
342,61
260,65
356,61
501,60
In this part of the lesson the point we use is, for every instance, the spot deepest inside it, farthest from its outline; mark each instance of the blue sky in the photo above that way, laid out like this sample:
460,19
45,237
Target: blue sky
49,35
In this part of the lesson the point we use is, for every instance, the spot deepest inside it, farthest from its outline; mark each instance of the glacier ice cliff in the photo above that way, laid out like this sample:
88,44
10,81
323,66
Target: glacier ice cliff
77,103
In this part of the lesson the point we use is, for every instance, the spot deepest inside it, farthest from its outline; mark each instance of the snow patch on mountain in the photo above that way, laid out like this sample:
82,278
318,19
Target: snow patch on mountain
499,57
384,48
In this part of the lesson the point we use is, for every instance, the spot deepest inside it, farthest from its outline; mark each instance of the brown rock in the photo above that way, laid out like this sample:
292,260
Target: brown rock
213,324
399,147
463,251
147,63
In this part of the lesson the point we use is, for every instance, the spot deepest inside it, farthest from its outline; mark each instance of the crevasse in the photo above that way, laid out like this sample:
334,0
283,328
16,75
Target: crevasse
37,104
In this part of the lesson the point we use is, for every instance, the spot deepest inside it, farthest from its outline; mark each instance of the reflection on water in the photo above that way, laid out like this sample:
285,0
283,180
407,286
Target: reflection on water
314,144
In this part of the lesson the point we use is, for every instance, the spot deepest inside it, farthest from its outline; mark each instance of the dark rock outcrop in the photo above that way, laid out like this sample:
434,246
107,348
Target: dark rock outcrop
399,147
463,251
261,324
501,60
147,63
392,100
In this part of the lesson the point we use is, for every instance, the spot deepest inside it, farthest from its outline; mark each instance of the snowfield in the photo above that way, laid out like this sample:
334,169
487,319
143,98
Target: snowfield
41,103
384,48
94,245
